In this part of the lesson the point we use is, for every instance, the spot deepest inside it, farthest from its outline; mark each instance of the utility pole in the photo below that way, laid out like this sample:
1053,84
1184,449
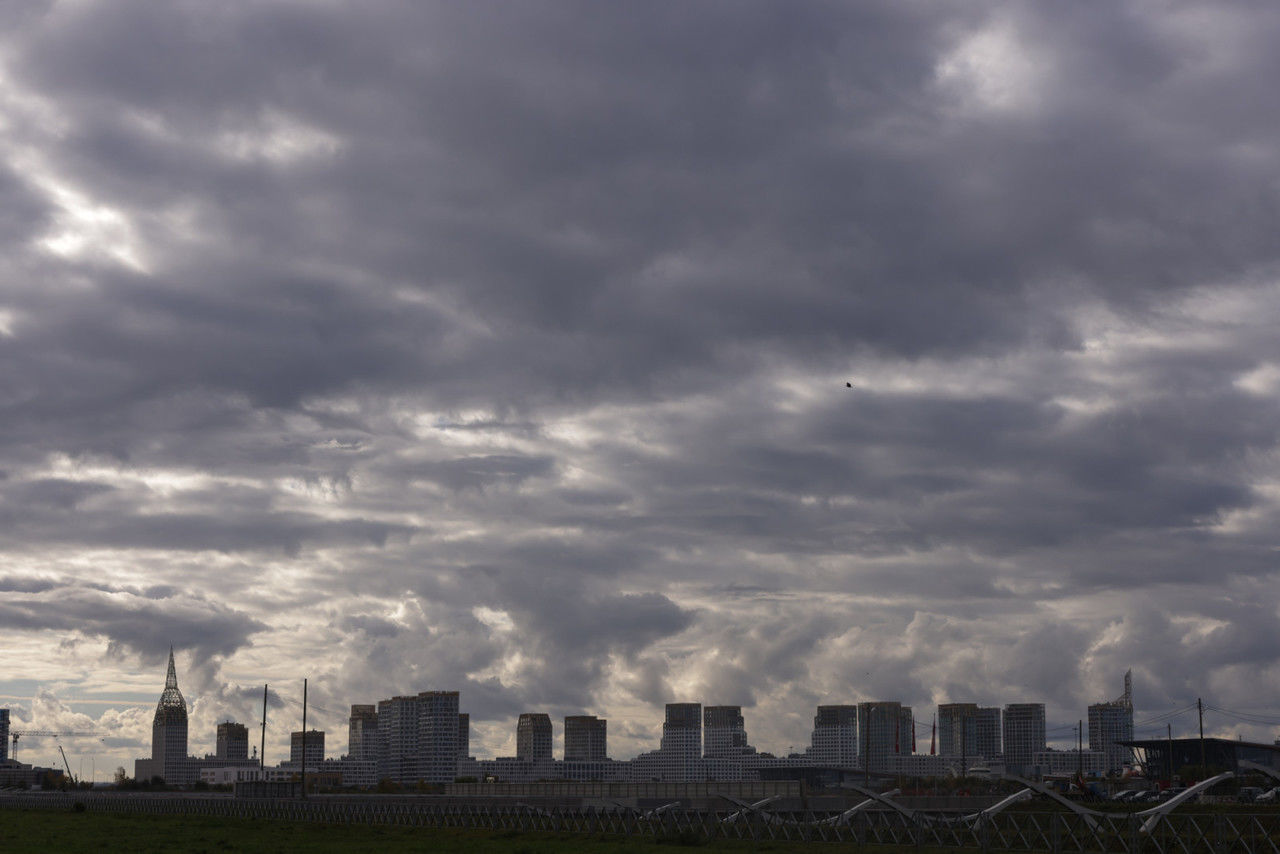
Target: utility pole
304,739
866,752
1080,749
262,754
1204,765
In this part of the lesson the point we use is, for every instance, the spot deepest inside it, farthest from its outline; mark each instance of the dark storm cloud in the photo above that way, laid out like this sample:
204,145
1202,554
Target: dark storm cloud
129,621
504,347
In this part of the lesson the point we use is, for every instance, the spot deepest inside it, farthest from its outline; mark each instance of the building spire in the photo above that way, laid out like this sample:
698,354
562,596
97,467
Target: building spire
172,708
171,678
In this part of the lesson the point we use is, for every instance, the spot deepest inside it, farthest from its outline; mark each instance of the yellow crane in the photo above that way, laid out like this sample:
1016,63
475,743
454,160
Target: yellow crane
37,733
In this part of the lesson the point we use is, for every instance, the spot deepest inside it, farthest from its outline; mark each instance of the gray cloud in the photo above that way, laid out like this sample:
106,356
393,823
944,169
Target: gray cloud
504,348
140,623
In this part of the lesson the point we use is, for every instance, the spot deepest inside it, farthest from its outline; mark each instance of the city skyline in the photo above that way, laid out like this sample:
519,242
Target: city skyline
907,734
582,358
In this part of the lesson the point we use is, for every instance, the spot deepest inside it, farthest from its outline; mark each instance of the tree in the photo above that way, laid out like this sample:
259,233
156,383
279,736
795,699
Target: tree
120,777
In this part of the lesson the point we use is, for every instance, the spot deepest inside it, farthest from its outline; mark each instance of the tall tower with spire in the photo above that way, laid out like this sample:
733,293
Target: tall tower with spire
169,730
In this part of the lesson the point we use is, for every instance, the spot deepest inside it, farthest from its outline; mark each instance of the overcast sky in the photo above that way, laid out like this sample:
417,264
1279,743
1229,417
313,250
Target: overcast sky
503,347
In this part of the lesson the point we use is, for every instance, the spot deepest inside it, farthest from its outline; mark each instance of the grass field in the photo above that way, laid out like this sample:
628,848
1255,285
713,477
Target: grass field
47,832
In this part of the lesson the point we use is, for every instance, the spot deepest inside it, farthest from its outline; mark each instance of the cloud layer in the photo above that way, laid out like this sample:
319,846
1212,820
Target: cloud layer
504,348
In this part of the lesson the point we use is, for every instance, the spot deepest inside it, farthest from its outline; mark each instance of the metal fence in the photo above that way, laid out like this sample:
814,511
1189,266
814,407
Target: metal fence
1185,833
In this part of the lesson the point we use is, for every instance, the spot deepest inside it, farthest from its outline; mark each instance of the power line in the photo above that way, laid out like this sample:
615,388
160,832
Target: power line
1246,717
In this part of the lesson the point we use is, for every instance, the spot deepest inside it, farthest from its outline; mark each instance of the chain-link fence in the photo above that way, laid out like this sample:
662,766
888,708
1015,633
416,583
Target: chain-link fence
1182,833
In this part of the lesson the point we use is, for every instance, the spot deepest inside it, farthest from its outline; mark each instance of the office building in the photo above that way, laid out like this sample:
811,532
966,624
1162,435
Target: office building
464,735
1024,735
533,736
989,741
958,730
585,738
233,741
362,732
4,735
314,748
969,733
885,729
834,743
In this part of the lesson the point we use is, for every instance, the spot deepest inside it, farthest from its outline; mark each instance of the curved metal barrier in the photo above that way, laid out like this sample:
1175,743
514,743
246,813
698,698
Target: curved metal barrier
871,822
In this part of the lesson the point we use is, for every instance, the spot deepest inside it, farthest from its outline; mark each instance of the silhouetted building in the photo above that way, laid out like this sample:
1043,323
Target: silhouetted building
4,735
1112,723
681,746
418,738
1161,757
168,736
398,753
314,750
585,738
885,729
362,732
233,741
958,730
724,731
1024,735
533,736
464,735
968,732
989,733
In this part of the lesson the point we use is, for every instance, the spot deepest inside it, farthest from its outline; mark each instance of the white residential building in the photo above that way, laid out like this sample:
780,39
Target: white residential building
834,742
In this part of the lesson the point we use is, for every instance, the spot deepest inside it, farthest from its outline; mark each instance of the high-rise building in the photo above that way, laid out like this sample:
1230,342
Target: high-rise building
169,760
418,738
233,741
314,753
968,732
362,732
989,740
835,737
169,731
681,747
1024,735
585,738
724,731
885,729
1110,723
958,730
398,739
533,736
4,735
438,736
464,735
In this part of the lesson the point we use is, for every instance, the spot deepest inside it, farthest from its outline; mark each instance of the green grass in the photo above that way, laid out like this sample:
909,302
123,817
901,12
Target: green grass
48,831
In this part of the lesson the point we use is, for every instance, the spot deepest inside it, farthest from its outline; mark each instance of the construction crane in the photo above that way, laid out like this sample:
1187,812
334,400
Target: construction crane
66,765
36,733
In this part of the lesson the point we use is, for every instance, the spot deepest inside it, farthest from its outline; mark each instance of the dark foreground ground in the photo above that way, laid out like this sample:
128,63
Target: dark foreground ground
48,832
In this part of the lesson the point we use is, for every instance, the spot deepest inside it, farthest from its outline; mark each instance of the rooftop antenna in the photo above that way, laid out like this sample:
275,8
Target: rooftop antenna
262,754
304,739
